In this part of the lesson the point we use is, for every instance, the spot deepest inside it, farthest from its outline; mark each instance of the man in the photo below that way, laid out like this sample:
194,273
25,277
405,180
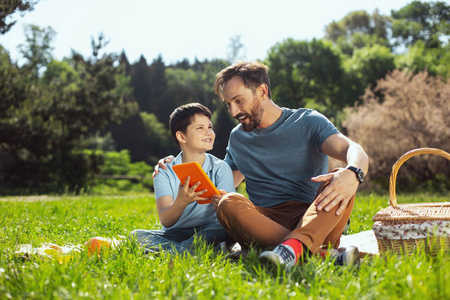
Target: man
294,205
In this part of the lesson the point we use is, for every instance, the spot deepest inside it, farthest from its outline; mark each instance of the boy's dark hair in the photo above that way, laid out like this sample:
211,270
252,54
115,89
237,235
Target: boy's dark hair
183,116
253,74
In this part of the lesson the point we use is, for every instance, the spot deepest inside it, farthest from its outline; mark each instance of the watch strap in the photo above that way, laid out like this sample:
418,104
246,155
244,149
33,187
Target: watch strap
358,172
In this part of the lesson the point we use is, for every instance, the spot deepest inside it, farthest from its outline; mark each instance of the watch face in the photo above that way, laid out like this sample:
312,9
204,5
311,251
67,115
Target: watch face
360,176
358,172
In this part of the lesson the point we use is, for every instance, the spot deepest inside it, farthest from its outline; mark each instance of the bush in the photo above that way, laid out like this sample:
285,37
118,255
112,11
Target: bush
115,164
405,112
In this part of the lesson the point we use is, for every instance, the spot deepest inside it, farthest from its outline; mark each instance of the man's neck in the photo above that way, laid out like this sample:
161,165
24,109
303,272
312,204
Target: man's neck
272,113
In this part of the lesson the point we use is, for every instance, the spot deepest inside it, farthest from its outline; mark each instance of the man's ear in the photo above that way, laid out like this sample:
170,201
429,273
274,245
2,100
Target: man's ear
180,137
263,90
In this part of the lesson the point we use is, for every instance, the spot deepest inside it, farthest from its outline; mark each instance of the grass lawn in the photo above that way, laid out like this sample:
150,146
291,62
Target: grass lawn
125,273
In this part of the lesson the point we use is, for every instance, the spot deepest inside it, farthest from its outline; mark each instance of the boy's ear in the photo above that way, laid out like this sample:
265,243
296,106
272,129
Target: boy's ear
180,137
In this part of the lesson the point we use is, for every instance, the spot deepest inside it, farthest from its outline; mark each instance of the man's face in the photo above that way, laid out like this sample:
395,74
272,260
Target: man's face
242,104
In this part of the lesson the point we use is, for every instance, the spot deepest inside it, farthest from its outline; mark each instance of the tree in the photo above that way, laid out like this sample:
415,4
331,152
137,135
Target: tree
140,82
436,61
236,49
37,49
158,136
358,29
369,64
158,89
44,121
426,21
413,114
223,124
308,74
10,7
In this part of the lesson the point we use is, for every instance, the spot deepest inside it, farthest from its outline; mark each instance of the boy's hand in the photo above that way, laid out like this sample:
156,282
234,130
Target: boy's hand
162,164
216,198
187,195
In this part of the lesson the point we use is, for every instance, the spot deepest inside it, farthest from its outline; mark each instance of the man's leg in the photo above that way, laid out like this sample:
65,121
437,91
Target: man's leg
264,227
319,228
316,228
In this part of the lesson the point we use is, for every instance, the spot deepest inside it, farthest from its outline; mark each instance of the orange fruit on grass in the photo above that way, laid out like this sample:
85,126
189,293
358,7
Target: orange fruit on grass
96,244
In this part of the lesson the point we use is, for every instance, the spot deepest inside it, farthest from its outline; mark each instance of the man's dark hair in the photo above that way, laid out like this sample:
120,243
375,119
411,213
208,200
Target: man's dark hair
253,74
183,116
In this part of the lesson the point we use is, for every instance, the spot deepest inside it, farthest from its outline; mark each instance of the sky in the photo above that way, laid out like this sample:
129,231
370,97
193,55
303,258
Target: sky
179,29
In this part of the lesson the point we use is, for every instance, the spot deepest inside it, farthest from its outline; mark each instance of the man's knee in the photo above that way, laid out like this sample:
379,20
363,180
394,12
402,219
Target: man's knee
228,203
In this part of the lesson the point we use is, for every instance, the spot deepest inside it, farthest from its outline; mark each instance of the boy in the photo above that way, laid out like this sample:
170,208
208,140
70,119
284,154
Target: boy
181,216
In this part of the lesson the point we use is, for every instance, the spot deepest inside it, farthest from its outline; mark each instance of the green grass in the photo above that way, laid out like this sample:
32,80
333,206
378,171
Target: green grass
125,273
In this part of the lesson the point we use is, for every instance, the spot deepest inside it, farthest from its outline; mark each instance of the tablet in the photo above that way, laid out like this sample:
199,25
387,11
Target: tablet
196,172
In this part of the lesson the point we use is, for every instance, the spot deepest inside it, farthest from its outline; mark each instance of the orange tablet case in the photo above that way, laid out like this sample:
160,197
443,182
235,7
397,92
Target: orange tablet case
196,172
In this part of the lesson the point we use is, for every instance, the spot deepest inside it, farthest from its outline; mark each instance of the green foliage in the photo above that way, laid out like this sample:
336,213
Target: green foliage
127,273
369,64
359,40
194,84
304,72
50,109
130,176
44,120
10,7
158,136
419,58
421,21
37,49
358,29
223,124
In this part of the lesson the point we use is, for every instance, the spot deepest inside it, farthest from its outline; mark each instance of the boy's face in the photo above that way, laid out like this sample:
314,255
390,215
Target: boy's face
199,134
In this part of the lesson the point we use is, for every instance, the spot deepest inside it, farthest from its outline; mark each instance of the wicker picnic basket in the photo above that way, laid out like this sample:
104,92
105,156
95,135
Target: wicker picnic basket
405,227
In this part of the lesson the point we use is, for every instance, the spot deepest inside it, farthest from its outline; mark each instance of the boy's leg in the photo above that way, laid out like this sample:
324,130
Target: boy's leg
211,234
164,239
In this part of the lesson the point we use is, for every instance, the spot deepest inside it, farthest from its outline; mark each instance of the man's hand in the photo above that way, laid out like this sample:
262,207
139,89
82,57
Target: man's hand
340,189
216,198
162,164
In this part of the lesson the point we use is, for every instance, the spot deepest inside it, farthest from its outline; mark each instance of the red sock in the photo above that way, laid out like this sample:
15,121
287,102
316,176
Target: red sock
296,245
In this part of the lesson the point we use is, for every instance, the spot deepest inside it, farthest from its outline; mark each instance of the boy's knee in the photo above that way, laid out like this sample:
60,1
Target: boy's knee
133,234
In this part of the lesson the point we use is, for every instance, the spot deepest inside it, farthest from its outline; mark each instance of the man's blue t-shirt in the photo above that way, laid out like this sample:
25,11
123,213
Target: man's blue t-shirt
279,161
166,183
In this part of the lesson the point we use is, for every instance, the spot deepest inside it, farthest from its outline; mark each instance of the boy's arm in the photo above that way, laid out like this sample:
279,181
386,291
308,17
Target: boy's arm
170,210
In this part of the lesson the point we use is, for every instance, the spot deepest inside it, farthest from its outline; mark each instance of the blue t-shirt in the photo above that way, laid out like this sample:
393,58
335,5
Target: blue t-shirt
166,183
279,161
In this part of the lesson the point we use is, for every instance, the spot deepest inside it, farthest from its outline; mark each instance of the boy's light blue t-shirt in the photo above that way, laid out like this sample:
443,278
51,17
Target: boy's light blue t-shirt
279,161
166,183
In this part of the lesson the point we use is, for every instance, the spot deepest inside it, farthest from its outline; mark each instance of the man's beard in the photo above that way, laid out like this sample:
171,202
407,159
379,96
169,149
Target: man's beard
254,118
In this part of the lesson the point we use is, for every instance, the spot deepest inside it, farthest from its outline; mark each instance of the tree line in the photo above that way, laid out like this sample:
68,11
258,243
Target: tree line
52,110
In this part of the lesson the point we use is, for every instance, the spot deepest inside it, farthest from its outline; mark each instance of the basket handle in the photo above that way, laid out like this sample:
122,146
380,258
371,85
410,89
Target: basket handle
401,160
